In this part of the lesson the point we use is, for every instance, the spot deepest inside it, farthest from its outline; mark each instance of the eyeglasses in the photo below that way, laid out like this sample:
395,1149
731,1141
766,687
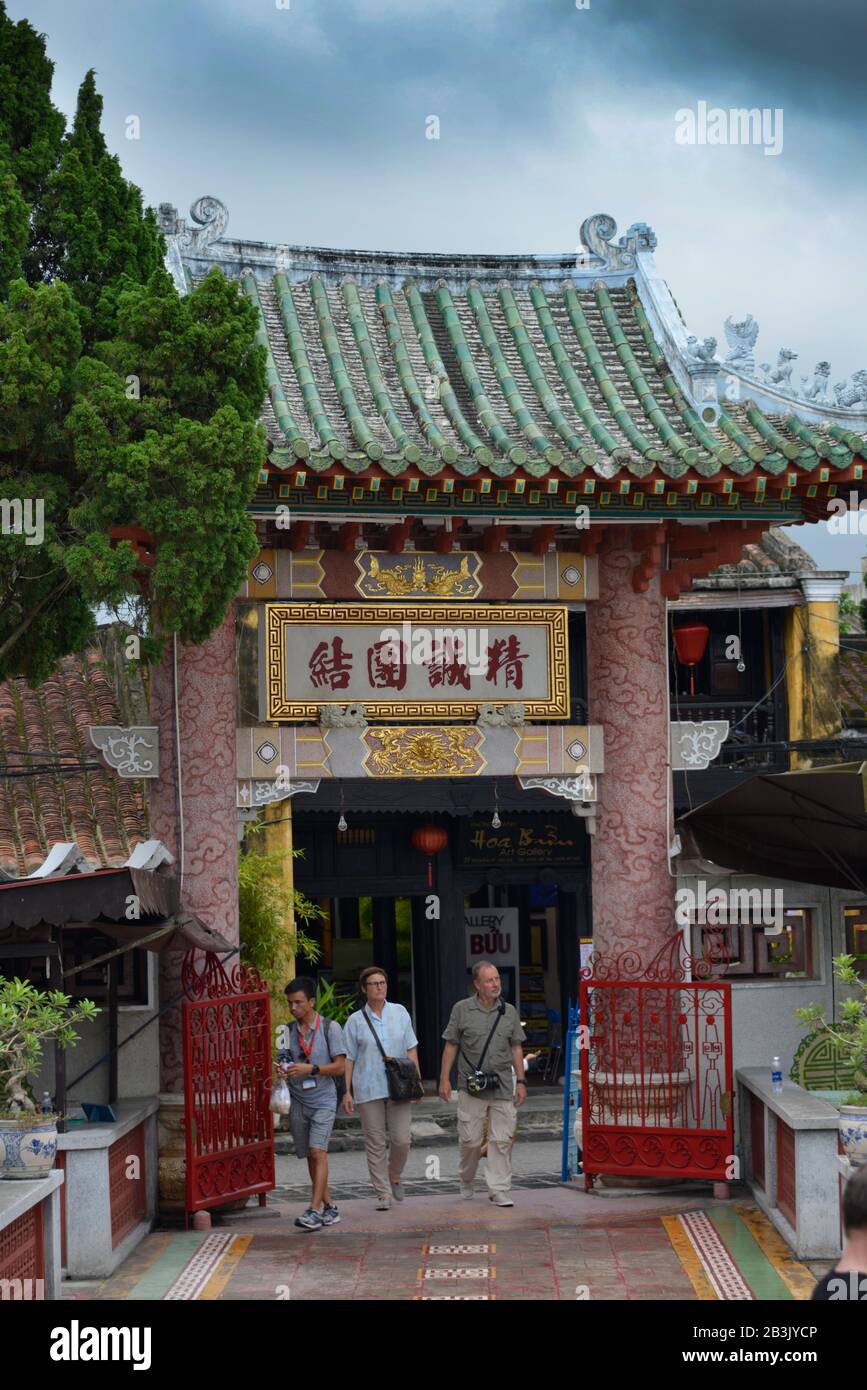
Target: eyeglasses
377,984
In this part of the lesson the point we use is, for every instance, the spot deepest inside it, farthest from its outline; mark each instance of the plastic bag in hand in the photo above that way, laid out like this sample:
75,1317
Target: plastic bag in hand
280,1098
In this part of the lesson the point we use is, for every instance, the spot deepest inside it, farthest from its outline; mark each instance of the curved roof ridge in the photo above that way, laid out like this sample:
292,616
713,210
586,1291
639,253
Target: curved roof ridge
494,363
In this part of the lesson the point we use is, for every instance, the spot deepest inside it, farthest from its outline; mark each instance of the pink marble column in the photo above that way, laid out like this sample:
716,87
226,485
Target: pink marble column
206,709
633,892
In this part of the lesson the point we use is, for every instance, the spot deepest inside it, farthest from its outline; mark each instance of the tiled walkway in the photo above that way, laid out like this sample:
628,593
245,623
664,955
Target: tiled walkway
555,1243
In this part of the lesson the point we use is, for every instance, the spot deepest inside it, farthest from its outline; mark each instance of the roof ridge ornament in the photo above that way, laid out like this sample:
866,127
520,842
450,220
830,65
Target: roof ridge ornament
208,213
701,355
741,338
846,395
851,394
597,235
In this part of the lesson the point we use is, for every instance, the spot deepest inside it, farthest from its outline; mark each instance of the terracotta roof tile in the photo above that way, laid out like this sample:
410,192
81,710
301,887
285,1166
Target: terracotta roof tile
47,728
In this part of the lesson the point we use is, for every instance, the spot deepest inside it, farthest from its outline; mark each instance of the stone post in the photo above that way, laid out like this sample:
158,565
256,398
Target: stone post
204,745
633,892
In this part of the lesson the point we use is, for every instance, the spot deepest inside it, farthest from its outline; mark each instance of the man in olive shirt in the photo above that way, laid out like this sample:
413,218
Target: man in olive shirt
466,1036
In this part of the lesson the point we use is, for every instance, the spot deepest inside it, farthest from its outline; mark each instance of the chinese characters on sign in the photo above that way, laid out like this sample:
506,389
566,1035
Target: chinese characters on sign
332,670
387,661
418,661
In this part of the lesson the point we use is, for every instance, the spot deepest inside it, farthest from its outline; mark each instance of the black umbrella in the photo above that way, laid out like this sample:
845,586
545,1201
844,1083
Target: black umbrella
810,826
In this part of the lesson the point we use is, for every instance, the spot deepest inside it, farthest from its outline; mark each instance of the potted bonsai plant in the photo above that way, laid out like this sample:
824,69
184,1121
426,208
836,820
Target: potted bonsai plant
28,1019
850,1035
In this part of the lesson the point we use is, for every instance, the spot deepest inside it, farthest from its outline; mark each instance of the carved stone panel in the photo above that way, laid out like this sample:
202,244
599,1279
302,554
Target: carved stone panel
132,752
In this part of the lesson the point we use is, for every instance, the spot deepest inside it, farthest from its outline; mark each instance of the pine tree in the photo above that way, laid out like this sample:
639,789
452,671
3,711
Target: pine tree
14,224
31,128
89,226
31,131
120,402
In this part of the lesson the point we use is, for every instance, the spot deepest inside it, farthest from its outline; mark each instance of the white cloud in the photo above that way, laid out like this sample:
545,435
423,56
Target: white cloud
301,25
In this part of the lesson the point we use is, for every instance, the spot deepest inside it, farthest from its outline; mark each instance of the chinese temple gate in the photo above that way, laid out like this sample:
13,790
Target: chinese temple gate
487,478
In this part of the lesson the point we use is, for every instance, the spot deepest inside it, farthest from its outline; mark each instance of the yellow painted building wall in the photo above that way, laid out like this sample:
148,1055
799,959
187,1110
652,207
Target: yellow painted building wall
812,647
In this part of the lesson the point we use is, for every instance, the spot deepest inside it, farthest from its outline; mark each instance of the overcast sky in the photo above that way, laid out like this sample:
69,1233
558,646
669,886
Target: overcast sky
308,118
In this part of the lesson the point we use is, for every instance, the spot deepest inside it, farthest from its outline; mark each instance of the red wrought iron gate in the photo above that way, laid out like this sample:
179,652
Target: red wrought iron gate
656,1069
227,1077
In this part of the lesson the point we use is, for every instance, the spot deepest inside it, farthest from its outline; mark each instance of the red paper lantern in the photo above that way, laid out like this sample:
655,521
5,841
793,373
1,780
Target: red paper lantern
690,643
429,840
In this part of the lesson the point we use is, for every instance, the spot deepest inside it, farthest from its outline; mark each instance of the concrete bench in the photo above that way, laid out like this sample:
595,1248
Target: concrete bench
30,1238
111,1188
790,1146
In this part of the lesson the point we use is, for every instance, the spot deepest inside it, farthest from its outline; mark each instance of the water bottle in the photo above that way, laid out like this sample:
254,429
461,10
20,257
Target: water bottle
46,1107
777,1077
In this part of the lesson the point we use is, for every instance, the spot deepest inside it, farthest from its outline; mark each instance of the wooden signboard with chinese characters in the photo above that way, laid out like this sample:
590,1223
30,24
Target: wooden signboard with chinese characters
415,661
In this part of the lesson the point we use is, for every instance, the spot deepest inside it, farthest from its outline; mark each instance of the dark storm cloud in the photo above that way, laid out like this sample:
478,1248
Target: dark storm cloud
346,72
309,122
807,52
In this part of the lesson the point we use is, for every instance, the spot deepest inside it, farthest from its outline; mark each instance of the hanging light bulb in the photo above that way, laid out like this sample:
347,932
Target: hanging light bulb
742,665
341,824
495,821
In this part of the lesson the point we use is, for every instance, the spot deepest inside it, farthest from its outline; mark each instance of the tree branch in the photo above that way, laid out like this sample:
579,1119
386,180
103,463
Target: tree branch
27,622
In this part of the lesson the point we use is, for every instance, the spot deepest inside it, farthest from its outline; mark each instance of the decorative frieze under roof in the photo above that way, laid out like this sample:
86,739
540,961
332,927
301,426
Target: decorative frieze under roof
537,372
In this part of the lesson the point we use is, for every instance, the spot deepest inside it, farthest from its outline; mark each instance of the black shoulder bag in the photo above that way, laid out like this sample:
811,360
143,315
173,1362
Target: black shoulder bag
478,1080
403,1077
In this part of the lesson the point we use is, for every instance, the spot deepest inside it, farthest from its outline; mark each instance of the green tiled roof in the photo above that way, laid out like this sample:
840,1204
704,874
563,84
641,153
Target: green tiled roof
425,365
524,379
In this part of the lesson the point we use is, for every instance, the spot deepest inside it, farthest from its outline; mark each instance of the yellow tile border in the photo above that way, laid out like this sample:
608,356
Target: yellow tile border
794,1275
225,1269
689,1259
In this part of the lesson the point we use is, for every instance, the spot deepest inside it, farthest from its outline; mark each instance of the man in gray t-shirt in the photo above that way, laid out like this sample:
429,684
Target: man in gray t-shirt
314,1054
494,1051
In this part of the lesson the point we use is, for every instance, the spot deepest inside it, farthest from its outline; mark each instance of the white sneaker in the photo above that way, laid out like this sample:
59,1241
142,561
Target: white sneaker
501,1199
383,1204
467,1190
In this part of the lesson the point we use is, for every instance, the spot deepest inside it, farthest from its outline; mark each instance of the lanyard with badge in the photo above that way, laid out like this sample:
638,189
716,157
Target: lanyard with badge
309,1082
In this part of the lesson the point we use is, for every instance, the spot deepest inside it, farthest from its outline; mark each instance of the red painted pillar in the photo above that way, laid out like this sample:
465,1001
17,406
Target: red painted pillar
633,892
203,744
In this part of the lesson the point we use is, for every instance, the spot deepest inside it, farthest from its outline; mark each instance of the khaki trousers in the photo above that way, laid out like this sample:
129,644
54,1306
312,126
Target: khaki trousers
502,1118
385,1121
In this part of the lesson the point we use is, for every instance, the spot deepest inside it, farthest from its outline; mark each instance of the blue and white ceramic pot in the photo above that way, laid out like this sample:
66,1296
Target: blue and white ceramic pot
28,1145
853,1133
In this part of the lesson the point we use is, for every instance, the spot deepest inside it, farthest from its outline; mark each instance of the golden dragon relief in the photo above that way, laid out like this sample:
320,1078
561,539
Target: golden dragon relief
419,577
412,752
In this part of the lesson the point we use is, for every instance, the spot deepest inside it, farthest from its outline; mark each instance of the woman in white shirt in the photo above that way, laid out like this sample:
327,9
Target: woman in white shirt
385,1123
